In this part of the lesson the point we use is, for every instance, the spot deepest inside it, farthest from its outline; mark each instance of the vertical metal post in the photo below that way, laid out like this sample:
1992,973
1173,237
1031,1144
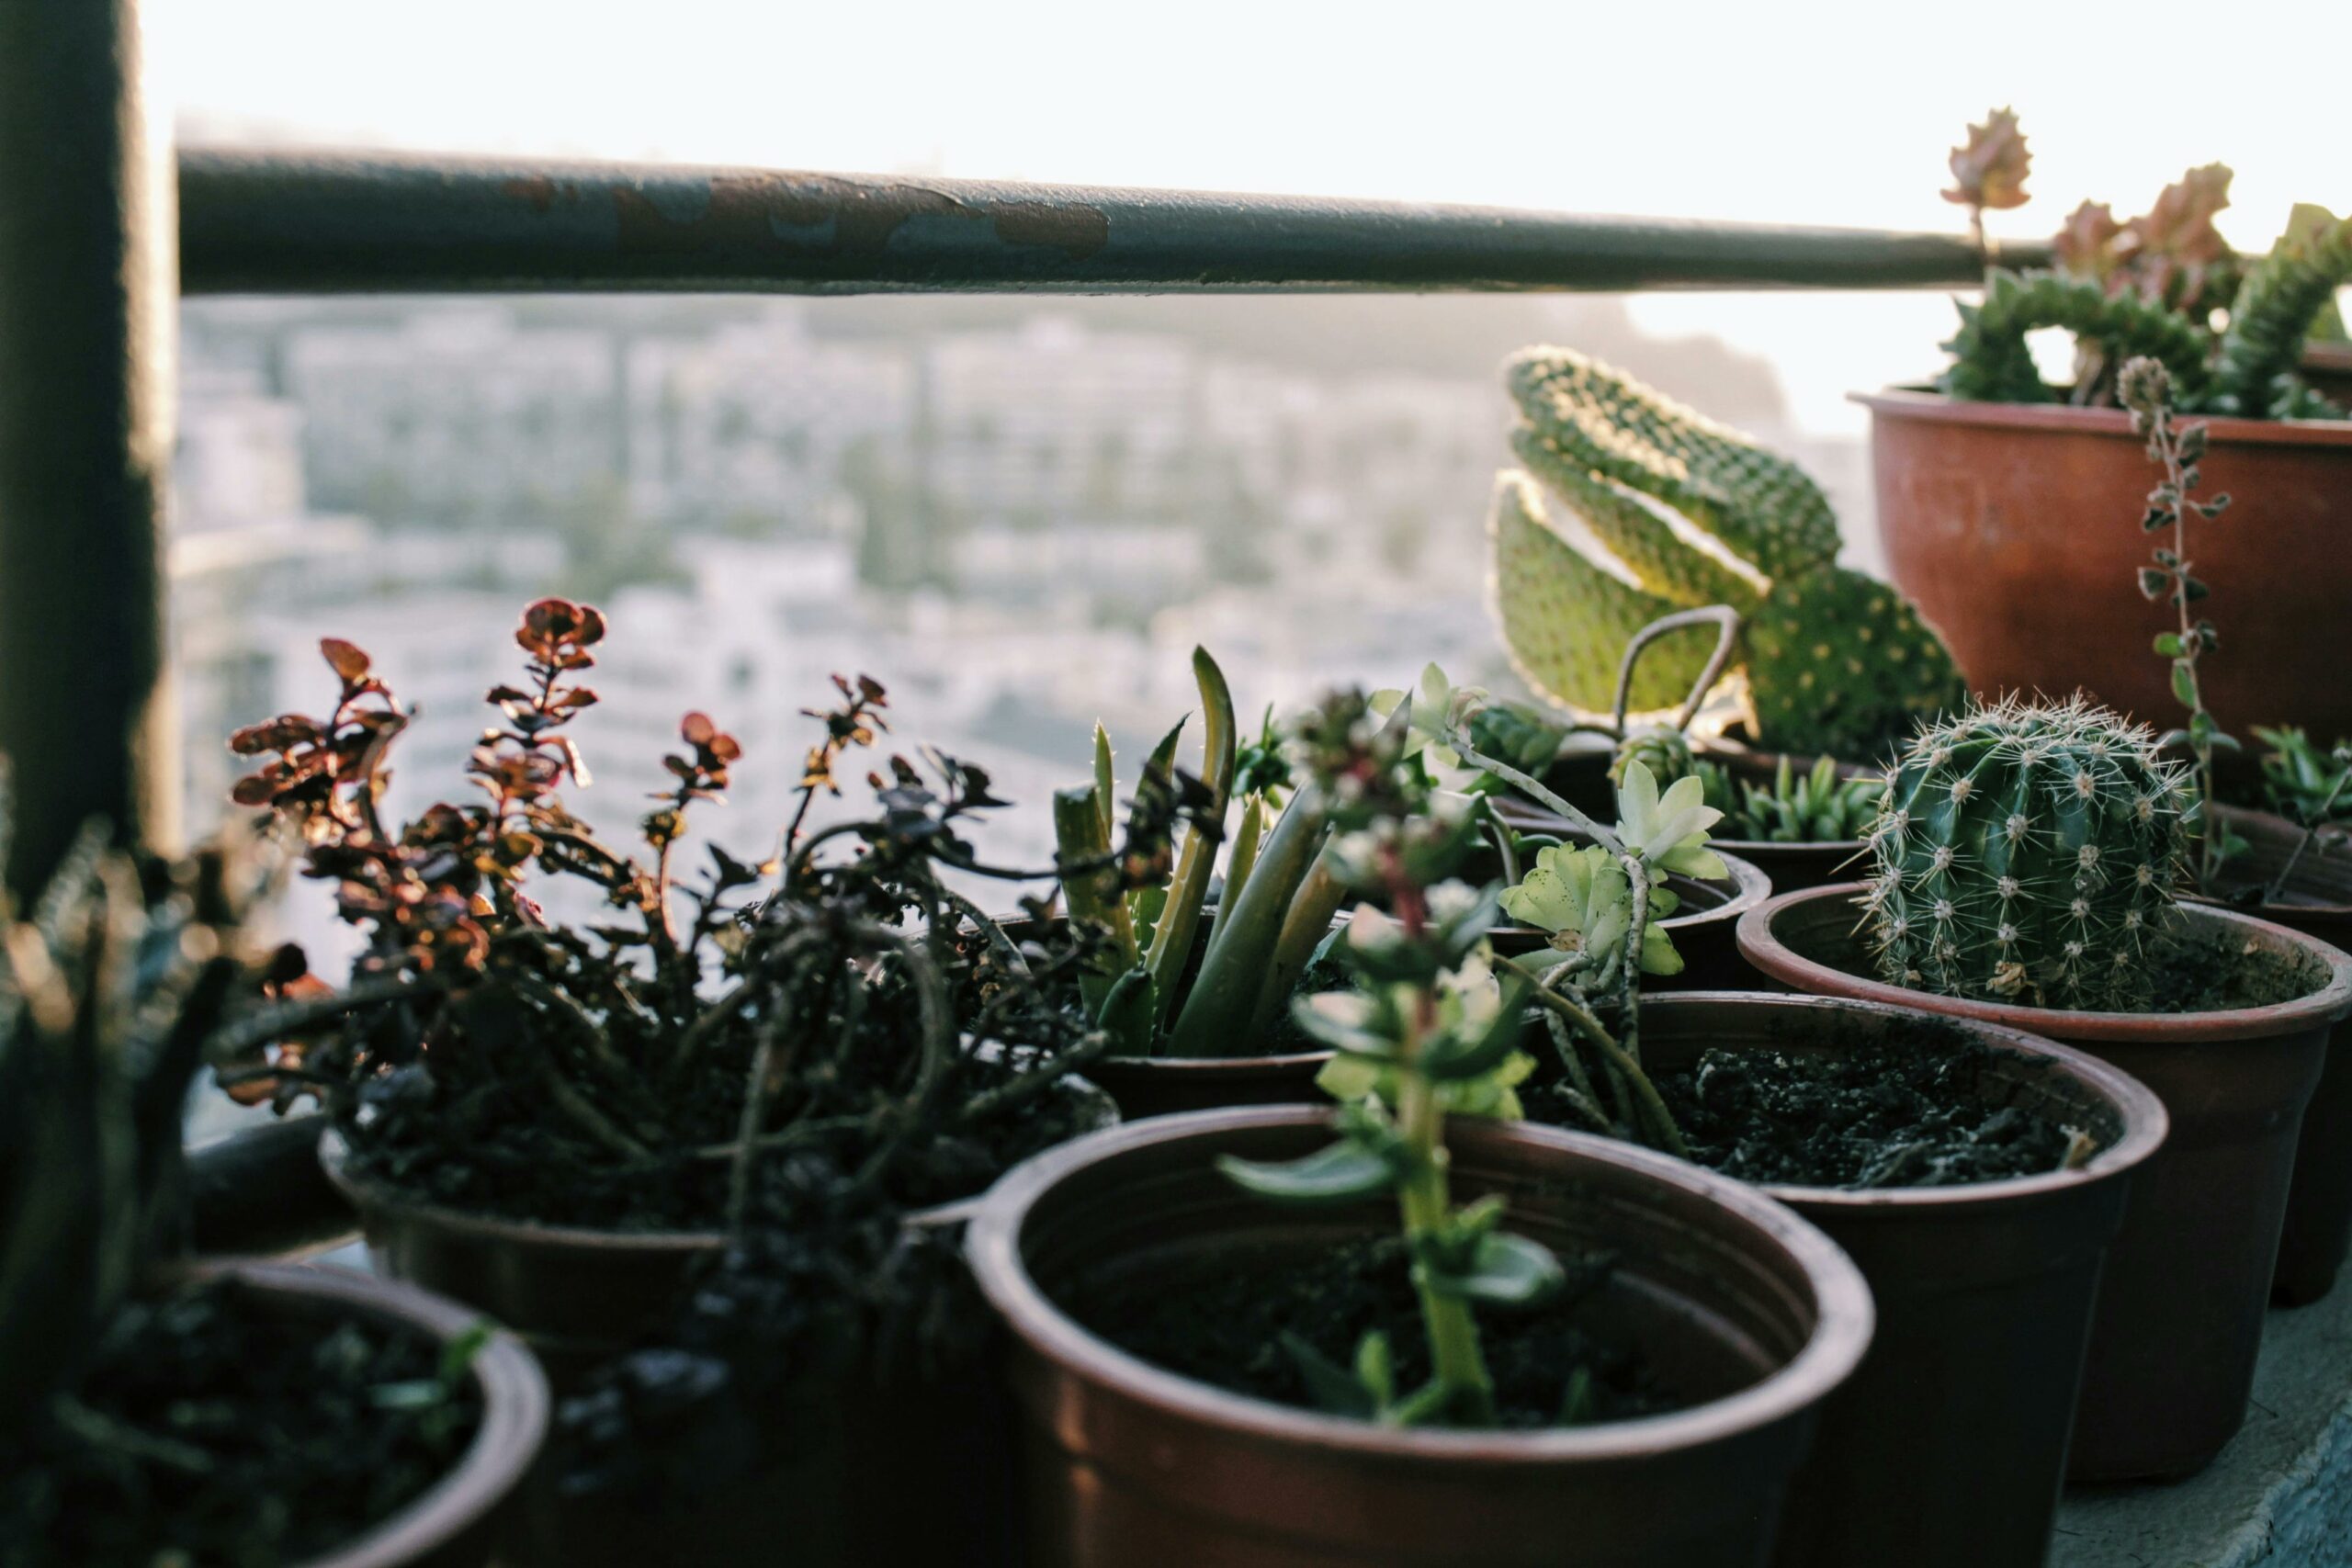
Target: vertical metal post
89,297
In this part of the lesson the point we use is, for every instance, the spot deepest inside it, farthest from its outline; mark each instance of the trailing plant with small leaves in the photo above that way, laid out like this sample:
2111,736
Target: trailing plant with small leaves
2029,852
1834,661
2151,287
1817,807
2147,392
1428,1031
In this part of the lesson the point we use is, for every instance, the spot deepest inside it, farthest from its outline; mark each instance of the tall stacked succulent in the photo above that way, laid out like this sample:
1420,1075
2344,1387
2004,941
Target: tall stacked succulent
1685,512
2029,852
2147,285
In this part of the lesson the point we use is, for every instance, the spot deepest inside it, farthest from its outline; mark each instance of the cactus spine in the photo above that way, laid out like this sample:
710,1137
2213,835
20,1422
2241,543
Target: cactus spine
2028,853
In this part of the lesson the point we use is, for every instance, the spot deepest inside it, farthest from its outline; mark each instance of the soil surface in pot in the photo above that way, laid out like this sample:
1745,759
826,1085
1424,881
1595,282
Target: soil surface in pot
2218,975
1227,1322
1909,1110
211,1431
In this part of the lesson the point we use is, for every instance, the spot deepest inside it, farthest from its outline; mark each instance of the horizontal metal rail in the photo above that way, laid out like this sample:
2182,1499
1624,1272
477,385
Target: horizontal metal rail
311,222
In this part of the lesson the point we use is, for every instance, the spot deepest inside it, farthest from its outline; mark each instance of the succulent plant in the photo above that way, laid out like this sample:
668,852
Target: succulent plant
2149,286
1662,748
110,987
1834,661
2029,852
1818,807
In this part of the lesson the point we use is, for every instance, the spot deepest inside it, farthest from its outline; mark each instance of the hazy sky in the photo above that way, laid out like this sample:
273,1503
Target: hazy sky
1802,111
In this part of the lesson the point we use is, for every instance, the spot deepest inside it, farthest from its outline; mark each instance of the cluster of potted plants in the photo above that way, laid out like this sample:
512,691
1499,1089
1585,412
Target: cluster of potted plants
1436,1129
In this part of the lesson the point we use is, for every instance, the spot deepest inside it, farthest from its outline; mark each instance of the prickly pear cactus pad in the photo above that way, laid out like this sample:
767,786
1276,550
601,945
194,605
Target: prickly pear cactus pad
1837,660
1761,507
1677,513
1565,620
2028,853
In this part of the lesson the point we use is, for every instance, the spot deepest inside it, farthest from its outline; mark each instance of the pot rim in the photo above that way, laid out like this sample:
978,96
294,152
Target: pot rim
2247,814
1761,946
1917,404
334,1152
514,1417
2146,1123
1732,849
1844,1313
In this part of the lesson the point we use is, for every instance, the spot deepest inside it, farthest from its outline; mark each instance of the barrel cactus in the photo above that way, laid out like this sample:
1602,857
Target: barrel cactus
2029,852
1678,512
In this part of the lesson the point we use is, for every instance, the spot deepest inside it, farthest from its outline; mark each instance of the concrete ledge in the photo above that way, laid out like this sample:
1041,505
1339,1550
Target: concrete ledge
2278,1496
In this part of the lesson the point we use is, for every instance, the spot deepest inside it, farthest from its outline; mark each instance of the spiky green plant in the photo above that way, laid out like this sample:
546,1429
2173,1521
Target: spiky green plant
2029,852
109,986
1817,807
1277,905
1662,748
1686,513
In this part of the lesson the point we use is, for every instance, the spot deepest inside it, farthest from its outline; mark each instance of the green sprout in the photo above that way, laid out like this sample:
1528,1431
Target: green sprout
1426,1033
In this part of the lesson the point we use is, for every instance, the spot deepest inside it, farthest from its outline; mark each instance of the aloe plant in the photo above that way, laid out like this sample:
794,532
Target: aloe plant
110,987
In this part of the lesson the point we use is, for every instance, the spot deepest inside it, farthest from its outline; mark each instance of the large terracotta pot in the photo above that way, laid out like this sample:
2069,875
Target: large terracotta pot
456,1522
2316,901
2014,526
1948,1447
1134,1467
2179,1316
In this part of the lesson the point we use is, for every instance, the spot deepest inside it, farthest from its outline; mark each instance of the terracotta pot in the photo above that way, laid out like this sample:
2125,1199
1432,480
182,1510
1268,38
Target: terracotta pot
454,1524
2012,525
577,1294
2179,1316
1947,1448
1133,1467
2316,901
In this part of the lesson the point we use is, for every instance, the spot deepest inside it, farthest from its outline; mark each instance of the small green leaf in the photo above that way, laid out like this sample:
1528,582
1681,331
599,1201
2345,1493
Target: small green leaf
2168,644
1376,1368
1339,1174
1575,1403
457,1355
1466,1056
2184,682
1505,1270
1329,1384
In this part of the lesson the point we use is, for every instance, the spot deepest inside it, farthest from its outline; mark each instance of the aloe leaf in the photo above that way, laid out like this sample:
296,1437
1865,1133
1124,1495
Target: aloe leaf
1216,1017
1171,941
1305,925
1106,782
1089,887
1245,835
1128,1014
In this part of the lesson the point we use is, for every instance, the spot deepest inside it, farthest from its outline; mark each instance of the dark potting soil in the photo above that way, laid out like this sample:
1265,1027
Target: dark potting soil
505,1155
214,1433
2216,975
1222,1322
1907,1110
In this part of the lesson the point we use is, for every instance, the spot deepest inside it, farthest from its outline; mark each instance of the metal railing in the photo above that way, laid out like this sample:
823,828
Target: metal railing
92,248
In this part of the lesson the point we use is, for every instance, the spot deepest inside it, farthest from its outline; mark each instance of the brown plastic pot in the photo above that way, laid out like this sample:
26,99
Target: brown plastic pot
2179,1316
2316,901
2011,526
1948,1447
577,1294
845,1455
1726,1293
455,1522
